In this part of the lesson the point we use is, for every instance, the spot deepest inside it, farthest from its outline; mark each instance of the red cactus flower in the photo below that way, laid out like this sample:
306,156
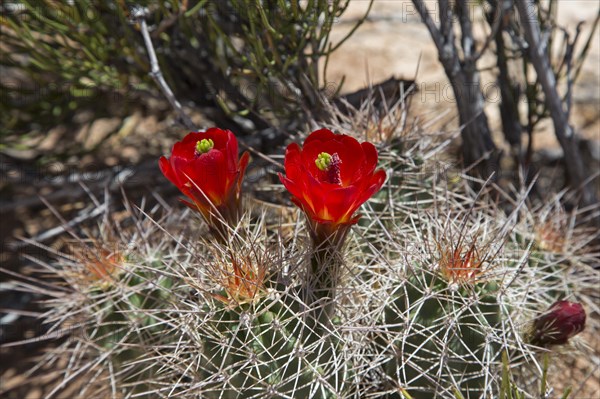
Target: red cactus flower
331,176
205,167
562,321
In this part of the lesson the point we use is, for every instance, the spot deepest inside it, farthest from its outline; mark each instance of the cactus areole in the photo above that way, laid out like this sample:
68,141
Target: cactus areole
331,176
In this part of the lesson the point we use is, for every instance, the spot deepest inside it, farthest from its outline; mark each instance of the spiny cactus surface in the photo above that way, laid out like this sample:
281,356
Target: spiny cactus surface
432,294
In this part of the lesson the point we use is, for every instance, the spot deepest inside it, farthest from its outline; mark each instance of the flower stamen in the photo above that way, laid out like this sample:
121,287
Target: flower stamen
203,146
323,161
330,165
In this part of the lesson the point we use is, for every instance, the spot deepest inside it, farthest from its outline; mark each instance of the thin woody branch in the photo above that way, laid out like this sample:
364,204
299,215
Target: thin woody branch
478,146
467,41
157,75
428,21
576,171
495,27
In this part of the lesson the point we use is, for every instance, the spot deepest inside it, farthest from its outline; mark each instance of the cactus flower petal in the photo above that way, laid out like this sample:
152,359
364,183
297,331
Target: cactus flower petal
205,167
331,176
562,321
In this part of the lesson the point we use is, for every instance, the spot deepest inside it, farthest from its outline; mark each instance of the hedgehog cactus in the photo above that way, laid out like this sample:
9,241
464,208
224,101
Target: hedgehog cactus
440,330
441,317
259,350
244,330
431,295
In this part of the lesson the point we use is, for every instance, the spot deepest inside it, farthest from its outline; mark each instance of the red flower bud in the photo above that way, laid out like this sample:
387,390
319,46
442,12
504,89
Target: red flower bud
562,321
331,176
205,167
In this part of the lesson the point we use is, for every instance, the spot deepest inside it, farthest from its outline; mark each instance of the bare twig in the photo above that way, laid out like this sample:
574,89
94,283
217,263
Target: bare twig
466,28
586,47
157,75
88,213
495,26
436,35
478,146
564,132
133,177
568,60
446,19
509,110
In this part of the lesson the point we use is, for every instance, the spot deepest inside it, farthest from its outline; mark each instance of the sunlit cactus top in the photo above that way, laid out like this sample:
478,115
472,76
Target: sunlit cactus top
242,279
205,167
331,176
562,321
459,265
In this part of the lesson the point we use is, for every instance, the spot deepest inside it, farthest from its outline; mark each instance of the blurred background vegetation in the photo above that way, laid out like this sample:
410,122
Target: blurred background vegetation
75,73
256,64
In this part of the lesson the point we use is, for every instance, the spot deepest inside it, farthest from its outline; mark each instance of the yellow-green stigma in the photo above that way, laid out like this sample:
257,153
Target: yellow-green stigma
204,146
323,161
330,166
